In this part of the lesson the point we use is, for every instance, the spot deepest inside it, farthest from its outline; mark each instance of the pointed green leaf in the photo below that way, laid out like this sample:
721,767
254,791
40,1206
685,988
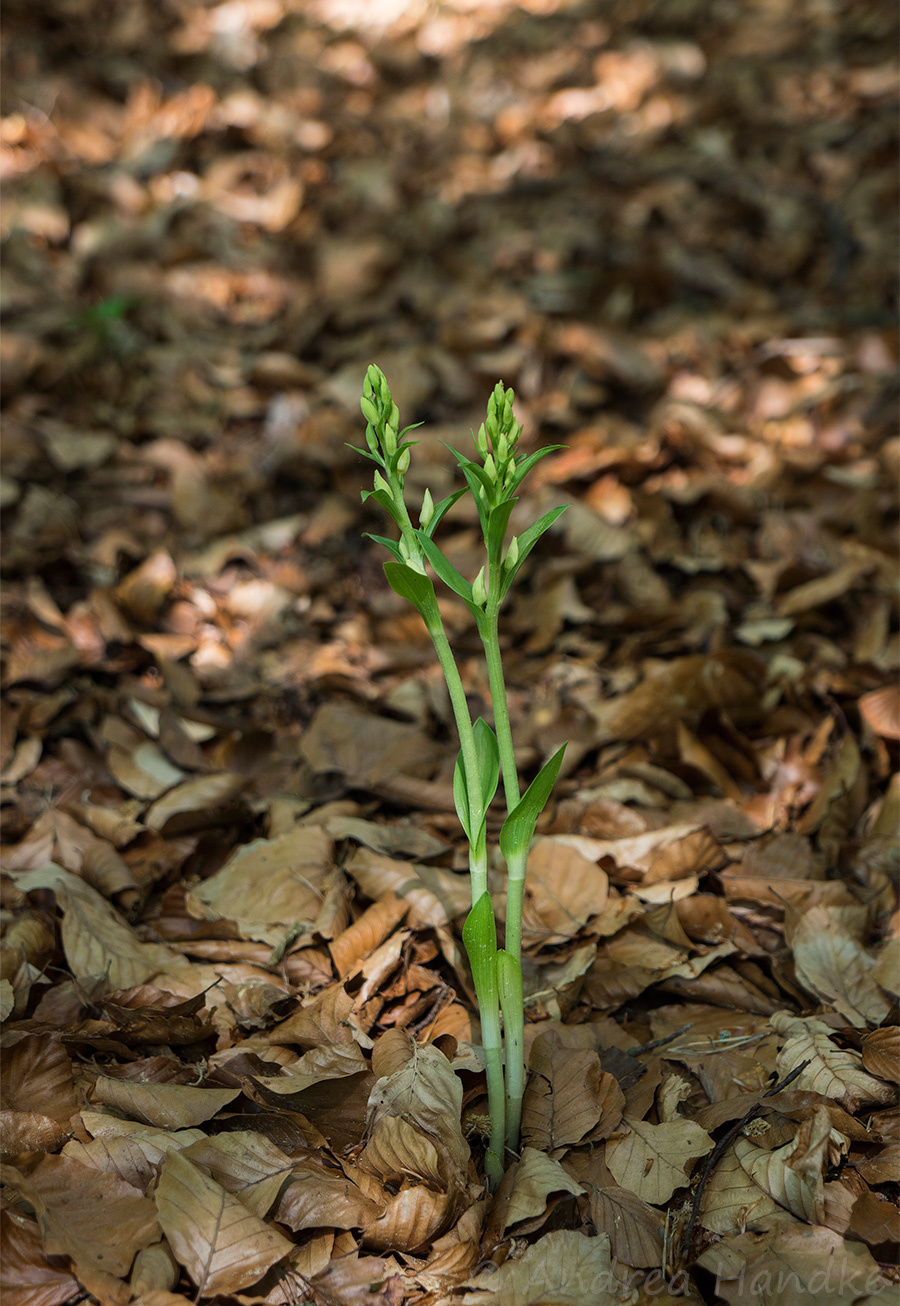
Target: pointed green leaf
525,466
452,578
480,937
461,795
382,497
512,1000
488,761
518,827
527,540
410,585
498,521
391,545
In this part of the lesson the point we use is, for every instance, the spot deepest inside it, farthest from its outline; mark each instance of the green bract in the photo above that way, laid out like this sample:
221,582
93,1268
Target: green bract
484,753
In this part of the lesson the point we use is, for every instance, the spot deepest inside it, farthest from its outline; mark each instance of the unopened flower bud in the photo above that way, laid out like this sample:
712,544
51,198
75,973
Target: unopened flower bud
427,511
371,438
502,448
512,554
479,590
381,484
403,461
369,411
481,441
491,468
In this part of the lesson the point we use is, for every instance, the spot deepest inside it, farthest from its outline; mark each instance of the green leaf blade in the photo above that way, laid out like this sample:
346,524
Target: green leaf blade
480,938
518,828
409,584
452,578
527,540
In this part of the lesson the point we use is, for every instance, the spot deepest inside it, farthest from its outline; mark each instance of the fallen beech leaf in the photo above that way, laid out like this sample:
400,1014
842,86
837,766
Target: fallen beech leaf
27,1277
875,1219
194,802
686,688
366,748
833,964
94,1218
244,1163
270,884
537,1176
435,896
634,1228
562,1101
834,1072
174,1106
563,1268
651,1160
563,891
38,1071
881,709
319,1198
791,1176
95,938
222,1245
881,1053
426,1095
795,1262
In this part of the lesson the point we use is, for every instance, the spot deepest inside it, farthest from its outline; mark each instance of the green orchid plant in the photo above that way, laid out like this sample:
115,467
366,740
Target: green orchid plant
484,752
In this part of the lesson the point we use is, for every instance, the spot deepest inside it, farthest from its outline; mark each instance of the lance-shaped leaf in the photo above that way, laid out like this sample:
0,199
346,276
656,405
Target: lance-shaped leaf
440,511
480,937
387,503
488,754
498,521
452,578
527,540
525,466
518,827
512,1001
391,545
410,585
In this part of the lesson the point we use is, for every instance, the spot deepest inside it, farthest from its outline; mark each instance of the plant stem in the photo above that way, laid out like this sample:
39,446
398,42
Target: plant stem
477,863
502,728
491,1041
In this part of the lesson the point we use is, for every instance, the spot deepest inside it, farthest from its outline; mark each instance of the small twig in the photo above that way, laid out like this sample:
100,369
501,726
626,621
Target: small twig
659,1042
718,1151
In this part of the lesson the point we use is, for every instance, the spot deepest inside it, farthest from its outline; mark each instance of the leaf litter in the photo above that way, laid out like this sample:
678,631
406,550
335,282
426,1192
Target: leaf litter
241,1054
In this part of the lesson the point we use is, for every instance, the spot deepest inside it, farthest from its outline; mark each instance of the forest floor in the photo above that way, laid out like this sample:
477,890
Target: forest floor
240,1043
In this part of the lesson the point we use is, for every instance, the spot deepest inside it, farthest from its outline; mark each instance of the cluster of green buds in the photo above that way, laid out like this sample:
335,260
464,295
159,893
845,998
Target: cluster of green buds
496,441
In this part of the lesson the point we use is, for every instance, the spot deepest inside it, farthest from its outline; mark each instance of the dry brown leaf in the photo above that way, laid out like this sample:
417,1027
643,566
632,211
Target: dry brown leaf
93,1217
832,963
270,884
537,1176
875,1219
318,1197
435,896
246,1164
194,802
563,1268
96,939
323,1019
881,709
685,689
365,934
794,1262
564,1096
426,1094
634,1229
367,749
881,1053
563,892
834,1072
174,1106
652,1160
29,1277
222,1245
